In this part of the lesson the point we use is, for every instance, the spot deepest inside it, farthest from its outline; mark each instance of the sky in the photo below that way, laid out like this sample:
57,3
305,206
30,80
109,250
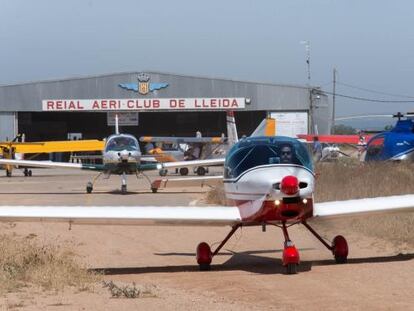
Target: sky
370,43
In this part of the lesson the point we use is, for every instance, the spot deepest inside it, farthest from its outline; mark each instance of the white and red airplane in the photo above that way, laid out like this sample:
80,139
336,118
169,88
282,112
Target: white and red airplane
267,181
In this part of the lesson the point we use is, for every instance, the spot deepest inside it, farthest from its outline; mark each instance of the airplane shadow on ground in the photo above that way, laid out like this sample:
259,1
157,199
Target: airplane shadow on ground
249,262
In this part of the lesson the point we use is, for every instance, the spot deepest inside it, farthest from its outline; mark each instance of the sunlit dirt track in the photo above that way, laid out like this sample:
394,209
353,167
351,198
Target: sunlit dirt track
247,275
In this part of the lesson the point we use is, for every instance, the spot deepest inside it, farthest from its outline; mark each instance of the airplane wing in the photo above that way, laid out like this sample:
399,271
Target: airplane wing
124,215
209,162
361,206
147,158
179,140
50,164
56,146
208,181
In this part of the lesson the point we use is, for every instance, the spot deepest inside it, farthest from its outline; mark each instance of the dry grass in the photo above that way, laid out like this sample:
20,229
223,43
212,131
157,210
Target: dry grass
23,262
354,180
215,196
131,291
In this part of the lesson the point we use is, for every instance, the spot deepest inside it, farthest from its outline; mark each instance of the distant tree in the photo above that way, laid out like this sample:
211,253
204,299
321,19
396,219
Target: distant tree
342,129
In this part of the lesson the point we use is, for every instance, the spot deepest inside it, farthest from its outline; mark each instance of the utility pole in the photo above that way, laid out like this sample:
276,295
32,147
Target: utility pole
311,126
333,101
307,49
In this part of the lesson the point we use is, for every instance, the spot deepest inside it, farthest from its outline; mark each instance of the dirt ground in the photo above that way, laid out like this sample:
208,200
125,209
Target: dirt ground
247,275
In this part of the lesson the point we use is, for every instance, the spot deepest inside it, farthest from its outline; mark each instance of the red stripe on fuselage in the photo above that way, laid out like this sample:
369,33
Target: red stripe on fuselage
270,212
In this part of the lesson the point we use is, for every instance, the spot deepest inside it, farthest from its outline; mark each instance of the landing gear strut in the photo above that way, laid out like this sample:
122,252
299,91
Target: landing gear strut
124,184
89,185
339,246
290,258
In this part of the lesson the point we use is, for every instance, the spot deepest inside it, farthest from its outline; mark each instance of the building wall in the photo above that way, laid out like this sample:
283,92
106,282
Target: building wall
264,97
28,97
8,126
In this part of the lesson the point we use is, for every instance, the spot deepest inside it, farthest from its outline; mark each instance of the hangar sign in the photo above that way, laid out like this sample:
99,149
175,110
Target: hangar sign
142,104
290,124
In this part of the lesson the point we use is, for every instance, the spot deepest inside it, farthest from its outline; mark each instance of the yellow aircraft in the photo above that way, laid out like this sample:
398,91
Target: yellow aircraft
13,149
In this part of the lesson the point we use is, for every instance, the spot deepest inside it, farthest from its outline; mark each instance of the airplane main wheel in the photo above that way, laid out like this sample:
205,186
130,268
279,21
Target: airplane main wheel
183,171
204,256
340,249
163,172
154,190
8,173
89,187
201,171
291,268
30,173
26,172
124,189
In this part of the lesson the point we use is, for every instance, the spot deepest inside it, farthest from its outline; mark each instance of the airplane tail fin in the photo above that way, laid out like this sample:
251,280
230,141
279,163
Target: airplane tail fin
266,128
231,129
116,124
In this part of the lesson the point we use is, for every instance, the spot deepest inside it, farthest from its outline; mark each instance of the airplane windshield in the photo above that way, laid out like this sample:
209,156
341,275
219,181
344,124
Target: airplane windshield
118,143
252,152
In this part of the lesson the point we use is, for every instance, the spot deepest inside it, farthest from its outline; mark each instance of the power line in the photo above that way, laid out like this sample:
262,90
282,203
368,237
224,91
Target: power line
372,91
369,99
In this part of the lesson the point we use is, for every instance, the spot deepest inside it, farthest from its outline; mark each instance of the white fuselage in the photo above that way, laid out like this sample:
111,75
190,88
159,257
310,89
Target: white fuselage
249,190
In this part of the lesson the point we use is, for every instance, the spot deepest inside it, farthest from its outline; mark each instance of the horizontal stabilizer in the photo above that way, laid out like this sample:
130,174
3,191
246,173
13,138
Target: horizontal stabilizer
194,163
180,140
209,181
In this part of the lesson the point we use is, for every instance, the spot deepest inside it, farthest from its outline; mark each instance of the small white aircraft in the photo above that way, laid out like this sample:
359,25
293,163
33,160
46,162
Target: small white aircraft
267,181
121,156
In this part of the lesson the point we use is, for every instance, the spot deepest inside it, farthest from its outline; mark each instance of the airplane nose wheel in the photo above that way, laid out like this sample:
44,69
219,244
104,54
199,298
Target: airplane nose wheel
290,257
123,189
27,172
89,187
340,249
8,173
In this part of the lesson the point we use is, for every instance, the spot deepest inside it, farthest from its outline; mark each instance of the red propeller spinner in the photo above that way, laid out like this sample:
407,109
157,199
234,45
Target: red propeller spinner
289,185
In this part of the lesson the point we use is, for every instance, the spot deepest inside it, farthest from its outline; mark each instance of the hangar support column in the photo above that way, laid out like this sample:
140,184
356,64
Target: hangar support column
8,125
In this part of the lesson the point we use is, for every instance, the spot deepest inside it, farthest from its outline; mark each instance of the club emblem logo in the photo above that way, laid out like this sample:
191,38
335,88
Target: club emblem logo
143,86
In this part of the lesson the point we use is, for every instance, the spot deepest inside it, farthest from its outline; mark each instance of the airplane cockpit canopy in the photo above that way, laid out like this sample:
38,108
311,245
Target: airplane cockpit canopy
255,151
122,142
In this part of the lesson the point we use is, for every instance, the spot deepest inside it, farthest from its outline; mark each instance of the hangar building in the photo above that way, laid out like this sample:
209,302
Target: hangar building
49,110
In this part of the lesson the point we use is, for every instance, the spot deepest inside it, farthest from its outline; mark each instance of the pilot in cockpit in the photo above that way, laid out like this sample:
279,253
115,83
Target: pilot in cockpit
286,154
